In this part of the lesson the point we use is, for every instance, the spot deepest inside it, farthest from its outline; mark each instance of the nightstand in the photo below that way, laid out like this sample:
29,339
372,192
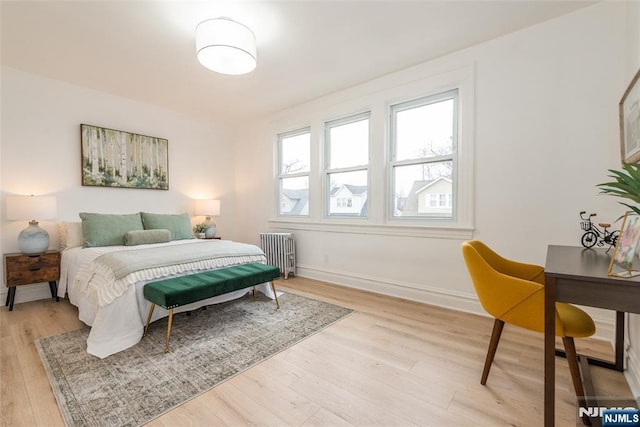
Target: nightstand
21,269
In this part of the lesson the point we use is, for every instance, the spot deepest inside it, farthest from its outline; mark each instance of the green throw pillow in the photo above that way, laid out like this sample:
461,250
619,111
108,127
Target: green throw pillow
179,225
107,229
145,237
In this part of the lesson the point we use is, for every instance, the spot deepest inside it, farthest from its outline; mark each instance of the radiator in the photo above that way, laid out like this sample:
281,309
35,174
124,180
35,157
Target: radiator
280,249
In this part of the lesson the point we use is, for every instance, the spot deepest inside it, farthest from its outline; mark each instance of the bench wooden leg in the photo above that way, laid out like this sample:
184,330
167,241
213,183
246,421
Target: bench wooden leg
166,346
273,288
275,294
146,327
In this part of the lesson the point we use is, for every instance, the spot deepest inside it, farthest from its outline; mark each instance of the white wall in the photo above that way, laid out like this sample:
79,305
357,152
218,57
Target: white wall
546,131
632,65
40,154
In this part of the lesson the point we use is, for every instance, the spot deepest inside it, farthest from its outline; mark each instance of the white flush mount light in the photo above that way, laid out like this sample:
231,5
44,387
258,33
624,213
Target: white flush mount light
226,46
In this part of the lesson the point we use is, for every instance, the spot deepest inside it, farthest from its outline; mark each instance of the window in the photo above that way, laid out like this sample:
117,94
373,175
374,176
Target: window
293,172
423,161
433,200
347,166
344,202
397,160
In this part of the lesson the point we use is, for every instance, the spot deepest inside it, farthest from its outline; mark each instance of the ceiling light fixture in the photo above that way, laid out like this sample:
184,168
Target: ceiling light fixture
226,46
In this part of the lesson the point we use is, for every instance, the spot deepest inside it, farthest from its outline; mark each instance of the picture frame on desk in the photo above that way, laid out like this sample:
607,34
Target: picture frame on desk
626,247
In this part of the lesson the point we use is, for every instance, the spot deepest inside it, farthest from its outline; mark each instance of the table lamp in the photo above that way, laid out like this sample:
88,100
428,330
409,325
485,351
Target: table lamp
208,208
32,240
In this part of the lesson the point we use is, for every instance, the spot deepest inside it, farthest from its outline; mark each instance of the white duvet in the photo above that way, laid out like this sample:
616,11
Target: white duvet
118,324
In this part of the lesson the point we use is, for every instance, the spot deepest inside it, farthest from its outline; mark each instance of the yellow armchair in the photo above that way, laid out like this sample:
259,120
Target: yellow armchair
513,292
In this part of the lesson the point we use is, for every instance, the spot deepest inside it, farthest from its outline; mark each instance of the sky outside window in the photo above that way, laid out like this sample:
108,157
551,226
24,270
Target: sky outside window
425,131
295,153
349,144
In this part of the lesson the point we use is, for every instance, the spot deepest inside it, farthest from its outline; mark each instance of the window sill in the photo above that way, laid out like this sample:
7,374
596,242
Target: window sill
350,227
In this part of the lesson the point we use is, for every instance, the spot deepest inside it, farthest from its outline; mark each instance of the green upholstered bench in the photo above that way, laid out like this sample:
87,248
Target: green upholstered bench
182,290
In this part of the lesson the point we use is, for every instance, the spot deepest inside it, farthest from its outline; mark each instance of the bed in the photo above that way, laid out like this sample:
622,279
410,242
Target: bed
105,281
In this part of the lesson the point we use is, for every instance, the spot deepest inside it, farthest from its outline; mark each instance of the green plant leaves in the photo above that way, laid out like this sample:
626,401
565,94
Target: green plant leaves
626,185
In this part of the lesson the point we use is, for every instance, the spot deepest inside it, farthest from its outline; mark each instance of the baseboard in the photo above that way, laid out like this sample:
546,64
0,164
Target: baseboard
439,296
429,295
632,373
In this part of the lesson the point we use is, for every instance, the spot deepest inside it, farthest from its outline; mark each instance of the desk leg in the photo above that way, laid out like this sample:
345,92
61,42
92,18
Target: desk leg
549,351
619,341
618,362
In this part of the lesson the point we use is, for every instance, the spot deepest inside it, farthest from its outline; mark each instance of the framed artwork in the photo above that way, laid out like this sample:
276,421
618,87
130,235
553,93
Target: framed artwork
625,253
113,158
629,111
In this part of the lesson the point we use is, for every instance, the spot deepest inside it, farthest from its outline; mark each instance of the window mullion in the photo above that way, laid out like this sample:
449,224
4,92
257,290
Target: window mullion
439,159
293,175
349,169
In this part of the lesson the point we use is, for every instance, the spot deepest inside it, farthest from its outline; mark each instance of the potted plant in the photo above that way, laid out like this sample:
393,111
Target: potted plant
626,184
200,229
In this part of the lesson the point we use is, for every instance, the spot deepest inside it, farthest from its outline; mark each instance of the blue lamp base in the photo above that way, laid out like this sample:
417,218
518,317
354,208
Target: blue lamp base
210,233
33,240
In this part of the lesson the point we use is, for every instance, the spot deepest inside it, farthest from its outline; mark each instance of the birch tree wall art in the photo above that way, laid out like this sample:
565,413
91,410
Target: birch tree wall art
112,158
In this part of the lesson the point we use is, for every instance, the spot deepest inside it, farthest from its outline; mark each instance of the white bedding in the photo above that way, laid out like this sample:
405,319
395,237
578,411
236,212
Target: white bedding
118,325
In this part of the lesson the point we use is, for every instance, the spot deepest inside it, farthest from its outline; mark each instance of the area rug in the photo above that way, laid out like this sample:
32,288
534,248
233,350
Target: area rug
207,347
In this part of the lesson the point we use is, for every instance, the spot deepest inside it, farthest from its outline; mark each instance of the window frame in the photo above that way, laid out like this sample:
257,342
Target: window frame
281,176
328,171
417,102
376,96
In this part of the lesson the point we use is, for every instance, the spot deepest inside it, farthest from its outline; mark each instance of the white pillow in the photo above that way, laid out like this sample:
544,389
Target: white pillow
70,234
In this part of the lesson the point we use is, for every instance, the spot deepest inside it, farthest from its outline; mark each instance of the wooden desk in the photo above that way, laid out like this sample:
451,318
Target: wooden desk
579,276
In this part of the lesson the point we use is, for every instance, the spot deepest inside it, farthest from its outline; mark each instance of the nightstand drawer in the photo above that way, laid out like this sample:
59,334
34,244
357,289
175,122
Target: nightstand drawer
46,274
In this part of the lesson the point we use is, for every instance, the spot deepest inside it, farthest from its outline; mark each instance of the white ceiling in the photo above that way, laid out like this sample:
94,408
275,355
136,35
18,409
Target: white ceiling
144,50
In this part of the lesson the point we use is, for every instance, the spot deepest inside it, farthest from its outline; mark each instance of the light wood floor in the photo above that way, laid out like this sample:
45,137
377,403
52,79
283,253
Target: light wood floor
393,362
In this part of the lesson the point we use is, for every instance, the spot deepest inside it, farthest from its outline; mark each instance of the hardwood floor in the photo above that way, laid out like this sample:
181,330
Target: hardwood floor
393,362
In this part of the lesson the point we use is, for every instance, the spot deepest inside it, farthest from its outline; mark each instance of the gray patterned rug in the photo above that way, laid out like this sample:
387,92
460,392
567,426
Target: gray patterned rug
208,347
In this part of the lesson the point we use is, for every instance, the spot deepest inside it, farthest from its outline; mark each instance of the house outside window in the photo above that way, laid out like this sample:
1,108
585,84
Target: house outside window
347,166
294,150
423,161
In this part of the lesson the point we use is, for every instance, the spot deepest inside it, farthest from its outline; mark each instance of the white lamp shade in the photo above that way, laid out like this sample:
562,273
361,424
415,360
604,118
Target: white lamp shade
226,46
31,207
208,207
